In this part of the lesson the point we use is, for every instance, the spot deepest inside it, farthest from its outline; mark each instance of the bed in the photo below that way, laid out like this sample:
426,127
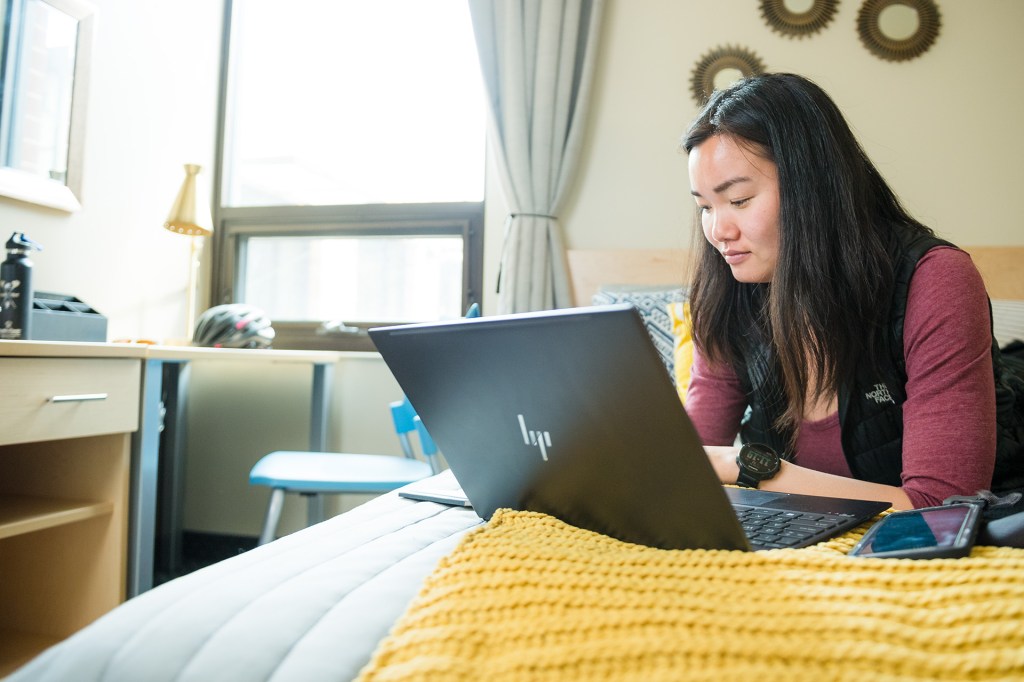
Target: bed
408,590
310,606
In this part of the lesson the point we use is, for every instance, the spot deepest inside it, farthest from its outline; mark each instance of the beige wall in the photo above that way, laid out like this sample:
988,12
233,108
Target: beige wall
942,128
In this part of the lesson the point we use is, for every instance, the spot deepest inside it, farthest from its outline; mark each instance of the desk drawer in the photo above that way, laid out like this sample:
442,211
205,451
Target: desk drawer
57,398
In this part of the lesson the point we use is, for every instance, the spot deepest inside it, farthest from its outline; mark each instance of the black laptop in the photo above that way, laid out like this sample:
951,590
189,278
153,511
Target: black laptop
572,413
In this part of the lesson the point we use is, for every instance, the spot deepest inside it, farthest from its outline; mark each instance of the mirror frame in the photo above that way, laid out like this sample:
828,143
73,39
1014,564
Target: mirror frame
792,24
702,78
898,50
35,189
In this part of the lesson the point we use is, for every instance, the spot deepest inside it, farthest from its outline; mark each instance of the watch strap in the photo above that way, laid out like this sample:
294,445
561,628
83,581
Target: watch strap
746,480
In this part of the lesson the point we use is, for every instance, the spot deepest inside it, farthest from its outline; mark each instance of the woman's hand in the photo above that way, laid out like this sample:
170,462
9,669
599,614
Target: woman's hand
723,459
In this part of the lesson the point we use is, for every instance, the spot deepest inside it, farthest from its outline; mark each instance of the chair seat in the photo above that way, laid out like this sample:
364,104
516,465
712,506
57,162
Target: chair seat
329,472
317,474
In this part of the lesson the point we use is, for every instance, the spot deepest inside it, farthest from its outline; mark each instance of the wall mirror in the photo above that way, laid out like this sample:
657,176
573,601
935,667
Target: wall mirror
898,30
44,75
720,68
798,18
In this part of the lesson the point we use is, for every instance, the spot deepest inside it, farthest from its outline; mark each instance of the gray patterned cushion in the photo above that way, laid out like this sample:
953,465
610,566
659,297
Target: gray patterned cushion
1008,321
653,303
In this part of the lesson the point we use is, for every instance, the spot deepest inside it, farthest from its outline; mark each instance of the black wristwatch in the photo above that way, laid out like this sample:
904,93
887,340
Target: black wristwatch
757,462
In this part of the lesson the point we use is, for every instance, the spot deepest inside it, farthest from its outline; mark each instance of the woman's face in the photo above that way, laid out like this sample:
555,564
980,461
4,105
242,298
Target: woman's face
737,192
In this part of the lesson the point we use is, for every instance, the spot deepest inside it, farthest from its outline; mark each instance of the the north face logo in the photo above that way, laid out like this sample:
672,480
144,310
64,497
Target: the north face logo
880,395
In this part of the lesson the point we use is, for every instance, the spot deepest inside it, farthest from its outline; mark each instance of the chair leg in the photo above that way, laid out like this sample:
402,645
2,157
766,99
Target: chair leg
315,508
273,516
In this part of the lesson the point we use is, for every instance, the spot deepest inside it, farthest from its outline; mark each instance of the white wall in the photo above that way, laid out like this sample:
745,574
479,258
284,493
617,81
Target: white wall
152,108
942,128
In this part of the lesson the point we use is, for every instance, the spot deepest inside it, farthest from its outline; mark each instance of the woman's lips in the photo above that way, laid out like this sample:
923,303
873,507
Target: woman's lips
735,257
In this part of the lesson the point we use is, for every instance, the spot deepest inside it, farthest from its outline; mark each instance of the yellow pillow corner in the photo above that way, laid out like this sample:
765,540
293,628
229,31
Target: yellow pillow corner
679,315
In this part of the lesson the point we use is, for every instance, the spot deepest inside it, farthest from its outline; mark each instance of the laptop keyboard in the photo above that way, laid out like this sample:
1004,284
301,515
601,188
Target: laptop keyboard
776,529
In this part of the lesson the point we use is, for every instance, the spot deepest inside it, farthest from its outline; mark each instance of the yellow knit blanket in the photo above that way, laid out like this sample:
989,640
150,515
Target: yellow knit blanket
527,597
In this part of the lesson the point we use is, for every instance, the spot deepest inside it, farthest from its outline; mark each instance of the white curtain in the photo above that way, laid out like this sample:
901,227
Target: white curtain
537,58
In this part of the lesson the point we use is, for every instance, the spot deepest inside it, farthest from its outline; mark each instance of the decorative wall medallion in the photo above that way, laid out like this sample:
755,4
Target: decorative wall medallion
782,19
727,64
881,39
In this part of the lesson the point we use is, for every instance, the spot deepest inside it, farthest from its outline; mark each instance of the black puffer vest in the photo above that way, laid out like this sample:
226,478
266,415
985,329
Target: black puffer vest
871,409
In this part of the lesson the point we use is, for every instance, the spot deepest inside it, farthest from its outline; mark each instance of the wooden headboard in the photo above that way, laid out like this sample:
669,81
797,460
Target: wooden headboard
1002,267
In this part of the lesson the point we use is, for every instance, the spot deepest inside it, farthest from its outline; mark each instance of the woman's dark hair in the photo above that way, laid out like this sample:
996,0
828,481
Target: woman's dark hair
828,299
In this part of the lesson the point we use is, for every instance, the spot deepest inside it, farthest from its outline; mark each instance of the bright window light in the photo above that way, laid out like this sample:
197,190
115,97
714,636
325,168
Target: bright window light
350,279
338,102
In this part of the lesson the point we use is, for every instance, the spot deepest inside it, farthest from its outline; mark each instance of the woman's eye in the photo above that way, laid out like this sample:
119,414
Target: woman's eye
740,202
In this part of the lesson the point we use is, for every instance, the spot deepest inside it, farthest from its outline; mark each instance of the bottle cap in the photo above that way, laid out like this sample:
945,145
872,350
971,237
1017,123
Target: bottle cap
20,242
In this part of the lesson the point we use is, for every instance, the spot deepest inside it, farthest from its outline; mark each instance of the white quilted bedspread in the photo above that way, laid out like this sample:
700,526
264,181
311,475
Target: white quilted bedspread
310,606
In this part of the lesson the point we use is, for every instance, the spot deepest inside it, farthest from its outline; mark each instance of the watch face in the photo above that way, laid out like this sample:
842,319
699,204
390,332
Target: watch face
759,459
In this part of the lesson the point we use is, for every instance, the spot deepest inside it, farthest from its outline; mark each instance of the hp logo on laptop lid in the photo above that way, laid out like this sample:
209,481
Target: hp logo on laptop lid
540,439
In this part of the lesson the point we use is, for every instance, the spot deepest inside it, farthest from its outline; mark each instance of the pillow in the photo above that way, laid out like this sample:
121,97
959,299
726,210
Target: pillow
653,302
679,313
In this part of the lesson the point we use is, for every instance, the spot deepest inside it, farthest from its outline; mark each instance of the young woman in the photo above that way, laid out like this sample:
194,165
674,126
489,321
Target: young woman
829,324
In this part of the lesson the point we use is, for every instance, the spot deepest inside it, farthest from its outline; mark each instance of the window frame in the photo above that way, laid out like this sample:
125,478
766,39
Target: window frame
233,225
236,225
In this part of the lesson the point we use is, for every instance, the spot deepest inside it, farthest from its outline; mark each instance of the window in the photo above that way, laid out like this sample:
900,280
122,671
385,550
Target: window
352,175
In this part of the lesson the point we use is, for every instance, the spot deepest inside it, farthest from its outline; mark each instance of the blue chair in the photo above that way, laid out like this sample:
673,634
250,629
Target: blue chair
315,474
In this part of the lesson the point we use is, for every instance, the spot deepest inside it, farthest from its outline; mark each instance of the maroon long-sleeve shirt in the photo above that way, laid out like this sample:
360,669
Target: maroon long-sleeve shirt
949,432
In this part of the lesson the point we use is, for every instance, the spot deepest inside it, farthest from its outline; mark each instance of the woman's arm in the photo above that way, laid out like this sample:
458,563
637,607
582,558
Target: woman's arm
949,418
797,479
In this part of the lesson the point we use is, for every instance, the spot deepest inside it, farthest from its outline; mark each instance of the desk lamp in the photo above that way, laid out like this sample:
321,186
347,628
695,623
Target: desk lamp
191,217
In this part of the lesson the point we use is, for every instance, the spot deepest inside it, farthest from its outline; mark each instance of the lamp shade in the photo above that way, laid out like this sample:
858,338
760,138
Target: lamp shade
190,214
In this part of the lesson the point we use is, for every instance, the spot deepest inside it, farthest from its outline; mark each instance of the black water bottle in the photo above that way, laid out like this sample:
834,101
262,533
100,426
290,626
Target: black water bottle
16,288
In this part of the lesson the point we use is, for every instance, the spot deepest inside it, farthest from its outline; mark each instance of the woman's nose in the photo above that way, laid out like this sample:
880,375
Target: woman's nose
723,229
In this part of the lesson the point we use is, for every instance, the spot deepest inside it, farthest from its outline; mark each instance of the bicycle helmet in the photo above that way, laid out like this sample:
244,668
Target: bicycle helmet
233,325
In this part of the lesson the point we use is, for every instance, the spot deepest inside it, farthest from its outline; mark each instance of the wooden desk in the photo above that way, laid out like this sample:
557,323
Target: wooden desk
120,453
66,415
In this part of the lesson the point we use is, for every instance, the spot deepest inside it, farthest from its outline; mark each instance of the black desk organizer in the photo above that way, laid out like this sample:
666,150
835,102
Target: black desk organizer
58,317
